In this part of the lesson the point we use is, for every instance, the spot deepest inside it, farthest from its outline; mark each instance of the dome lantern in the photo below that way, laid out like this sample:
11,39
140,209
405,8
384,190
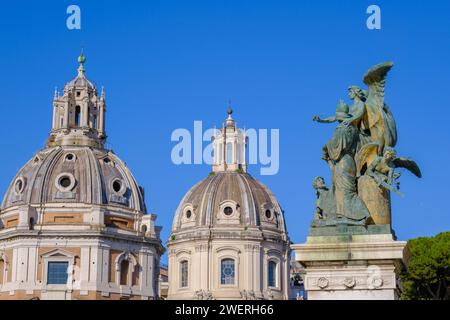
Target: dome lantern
79,114
230,144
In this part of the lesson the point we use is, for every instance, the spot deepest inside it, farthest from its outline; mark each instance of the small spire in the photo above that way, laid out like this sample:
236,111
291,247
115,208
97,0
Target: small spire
230,121
81,61
103,92
229,110
56,94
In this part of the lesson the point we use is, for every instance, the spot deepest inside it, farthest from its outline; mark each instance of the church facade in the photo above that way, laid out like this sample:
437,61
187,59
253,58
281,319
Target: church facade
73,223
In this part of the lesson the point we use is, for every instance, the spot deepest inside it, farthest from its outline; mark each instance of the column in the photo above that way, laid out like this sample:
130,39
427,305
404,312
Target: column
84,270
66,115
101,118
55,118
85,114
32,269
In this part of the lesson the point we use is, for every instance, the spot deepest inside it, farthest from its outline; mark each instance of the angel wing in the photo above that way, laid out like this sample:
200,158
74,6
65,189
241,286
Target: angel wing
408,164
375,79
365,156
379,117
389,123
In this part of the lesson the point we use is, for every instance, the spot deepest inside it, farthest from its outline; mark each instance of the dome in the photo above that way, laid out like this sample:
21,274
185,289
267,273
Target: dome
227,199
74,217
75,174
229,239
80,82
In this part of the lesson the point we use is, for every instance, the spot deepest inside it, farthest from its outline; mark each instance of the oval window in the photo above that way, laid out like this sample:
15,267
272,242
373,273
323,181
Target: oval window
268,214
228,211
19,186
70,157
117,186
188,214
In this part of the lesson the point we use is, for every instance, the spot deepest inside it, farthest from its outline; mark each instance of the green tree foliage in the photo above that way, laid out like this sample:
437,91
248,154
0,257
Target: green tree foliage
428,274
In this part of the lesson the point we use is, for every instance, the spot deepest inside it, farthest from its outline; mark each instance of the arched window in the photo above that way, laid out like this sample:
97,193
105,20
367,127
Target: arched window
272,274
94,121
227,272
229,153
2,271
135,276
77,116
124,268
184,274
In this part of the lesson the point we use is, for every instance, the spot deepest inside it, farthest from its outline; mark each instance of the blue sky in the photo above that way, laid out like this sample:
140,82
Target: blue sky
165,64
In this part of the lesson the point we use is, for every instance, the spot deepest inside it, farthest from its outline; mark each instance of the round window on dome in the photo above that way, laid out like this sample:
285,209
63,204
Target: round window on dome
19,185
70,157
117,186
228,211
188,214
65,182
268,214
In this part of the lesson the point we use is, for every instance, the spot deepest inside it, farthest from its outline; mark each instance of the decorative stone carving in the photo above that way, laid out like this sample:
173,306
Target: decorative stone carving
203,295
322,282
374,282
248,295
349,282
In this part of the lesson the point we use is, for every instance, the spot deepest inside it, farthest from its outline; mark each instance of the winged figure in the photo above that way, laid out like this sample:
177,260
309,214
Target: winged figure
382,168
370,114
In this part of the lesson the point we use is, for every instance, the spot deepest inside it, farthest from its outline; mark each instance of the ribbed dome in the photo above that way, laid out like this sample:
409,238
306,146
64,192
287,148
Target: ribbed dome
80,82
75,175
229,199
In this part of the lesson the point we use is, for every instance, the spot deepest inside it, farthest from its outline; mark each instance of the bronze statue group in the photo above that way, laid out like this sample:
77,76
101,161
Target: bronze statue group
361,157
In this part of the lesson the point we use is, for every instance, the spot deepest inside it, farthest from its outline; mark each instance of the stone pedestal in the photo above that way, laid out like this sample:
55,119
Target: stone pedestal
352,267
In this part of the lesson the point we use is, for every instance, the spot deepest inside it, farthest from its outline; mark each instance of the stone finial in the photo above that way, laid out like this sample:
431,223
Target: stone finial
230,121
81,61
